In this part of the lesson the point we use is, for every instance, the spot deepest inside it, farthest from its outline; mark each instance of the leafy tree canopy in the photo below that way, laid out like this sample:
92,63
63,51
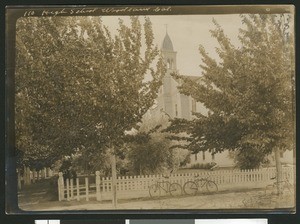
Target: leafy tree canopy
249,90
77,86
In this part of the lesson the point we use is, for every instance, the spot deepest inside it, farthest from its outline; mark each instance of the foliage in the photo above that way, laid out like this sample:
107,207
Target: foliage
150,151
248,90
77,87
252,158
203,165
89,161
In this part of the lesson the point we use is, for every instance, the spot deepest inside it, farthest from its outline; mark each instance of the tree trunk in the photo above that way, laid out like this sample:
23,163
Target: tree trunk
47,172
38,175
278,169
27,180
19,179
43,173
33,175
140,169
114,178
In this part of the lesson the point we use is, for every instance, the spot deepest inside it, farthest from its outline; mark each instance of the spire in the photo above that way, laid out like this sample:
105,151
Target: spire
167,44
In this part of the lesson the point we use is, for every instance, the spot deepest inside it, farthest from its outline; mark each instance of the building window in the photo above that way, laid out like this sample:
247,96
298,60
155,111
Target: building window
203,155
196,158
213,157
169,64
176,110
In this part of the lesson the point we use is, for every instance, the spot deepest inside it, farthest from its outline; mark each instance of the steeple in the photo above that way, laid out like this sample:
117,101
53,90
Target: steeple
168,53
167,44
168,100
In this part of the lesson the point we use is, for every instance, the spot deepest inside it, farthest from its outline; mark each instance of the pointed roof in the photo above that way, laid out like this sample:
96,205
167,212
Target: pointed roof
167,44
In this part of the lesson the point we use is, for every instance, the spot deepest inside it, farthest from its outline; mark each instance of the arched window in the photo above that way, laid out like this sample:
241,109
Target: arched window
169,63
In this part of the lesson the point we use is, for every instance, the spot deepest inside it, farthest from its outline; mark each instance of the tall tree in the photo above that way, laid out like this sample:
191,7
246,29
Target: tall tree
248,91
78,87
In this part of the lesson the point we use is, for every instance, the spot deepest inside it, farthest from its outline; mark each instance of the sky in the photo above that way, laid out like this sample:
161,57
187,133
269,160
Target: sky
187,32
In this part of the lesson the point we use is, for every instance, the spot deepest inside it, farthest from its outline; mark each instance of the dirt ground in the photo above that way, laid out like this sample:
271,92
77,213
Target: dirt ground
255,199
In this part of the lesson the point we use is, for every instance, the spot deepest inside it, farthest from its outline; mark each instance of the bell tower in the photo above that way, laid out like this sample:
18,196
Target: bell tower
169,54
169,102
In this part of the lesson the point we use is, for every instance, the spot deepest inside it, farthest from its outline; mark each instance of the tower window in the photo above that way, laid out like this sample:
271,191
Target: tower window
169,63
196,158
203,155
176,110
213,156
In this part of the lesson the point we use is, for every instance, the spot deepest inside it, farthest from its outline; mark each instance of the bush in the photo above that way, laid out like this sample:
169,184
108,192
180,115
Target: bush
205,166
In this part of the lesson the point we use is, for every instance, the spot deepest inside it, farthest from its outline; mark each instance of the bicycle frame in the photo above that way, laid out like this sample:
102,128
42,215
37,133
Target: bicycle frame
280,184
160,185
200,182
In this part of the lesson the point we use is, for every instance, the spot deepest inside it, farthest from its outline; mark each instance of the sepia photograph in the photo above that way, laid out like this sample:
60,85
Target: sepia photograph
152,108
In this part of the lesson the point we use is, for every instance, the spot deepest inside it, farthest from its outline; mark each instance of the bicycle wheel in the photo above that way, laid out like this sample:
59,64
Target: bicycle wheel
190,188
175,189
211,186
154,191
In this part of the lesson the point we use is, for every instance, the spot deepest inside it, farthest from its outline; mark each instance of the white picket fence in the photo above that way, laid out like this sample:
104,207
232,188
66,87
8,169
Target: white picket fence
138,186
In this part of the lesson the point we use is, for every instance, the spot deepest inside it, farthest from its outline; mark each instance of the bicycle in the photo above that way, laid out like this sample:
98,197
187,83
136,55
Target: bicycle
192,187
284,186
174,189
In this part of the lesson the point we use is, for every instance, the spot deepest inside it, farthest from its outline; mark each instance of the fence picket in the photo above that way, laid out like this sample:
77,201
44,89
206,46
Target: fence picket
132,186
77,189
87,189
68,188
71,188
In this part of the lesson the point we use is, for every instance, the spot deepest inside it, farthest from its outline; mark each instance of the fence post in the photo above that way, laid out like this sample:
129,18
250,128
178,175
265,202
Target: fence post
71,186
61,187
77,188
98,192
87,188
114,179
68,189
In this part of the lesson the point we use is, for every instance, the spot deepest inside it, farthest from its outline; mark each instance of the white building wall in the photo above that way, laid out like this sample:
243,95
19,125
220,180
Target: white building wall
222,159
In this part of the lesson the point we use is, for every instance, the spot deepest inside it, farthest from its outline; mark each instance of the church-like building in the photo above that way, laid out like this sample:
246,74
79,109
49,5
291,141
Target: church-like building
169,100
174,104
